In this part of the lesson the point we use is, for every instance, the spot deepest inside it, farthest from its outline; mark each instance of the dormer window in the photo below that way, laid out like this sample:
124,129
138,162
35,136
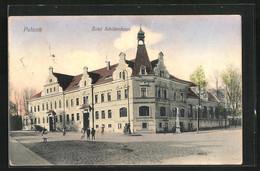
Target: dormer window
85,83
142,70
50,80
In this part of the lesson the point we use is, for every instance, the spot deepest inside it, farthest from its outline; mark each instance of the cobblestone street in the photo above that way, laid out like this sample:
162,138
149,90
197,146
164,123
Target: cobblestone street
207,147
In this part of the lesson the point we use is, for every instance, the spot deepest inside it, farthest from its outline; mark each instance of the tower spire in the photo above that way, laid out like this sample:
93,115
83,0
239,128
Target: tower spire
140,36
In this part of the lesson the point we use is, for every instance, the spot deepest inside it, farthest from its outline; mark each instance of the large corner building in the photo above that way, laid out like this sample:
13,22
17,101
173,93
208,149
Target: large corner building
139,91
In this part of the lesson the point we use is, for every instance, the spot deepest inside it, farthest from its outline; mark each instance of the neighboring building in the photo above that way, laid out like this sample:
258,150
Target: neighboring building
138,91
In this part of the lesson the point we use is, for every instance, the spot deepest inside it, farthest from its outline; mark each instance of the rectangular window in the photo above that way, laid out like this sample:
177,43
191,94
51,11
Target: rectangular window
118,94
97,115
38,108
31,110
143,91
67,103
77,116
160,125
43,106
68,117
109,125
159,93
109,96
86,100
126,93
144,125
39,121
51,105
60,118
50,90
47,107
119,126
71,102
174,96
103,114
47,90
43,119
165,94
102,98
56,119
47,119
55,104
34,108
54,89
109,114
182,97
77,101
96,98
59,103
72,117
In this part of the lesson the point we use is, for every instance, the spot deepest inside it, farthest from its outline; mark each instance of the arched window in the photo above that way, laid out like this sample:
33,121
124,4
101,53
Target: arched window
162,111
123,75
120,75
159,93
174,112
144,111
123,112
182,112
205,112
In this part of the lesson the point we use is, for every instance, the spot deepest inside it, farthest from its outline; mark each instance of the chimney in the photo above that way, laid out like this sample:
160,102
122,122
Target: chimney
108,65
85,70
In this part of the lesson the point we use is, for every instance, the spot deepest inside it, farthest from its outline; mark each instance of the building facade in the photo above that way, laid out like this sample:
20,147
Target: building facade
138,92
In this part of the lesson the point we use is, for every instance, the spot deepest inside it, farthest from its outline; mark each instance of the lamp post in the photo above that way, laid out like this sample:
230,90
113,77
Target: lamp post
128,108
64,129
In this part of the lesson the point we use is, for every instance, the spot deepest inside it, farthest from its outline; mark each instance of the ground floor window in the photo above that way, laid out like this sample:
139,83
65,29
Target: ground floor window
68,117
144,125
123,112
72,117
160,125
144,111
39,121
109,125
119,126
162,111
60,118
174,112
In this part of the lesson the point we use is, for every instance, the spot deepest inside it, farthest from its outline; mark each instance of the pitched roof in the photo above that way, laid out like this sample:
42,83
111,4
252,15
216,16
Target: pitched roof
211,97
142,59
177,79
191,94
36,95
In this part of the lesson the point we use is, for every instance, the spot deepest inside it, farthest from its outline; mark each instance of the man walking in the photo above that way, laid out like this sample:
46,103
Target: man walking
93,133
88,133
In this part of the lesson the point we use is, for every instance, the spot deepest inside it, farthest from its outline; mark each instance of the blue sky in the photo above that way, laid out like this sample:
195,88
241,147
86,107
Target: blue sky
186,41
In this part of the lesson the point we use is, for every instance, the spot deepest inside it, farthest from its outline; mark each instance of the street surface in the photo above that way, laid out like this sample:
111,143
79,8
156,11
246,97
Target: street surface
212,147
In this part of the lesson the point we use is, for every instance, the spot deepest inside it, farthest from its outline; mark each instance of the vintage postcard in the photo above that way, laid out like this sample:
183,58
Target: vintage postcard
125,90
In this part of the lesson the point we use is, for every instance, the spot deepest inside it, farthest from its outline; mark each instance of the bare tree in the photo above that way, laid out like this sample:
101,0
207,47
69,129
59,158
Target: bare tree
27,94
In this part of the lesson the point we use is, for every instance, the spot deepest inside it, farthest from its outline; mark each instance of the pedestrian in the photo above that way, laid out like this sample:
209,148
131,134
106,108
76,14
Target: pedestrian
83,133
93,133
125,130
103,128
164,129
64,130
173,128
88,133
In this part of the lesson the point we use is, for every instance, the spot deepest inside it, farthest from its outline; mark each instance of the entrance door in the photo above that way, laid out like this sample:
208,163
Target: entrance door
85,120
51,123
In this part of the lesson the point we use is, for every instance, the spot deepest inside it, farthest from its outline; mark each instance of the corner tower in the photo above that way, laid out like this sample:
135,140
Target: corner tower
141,58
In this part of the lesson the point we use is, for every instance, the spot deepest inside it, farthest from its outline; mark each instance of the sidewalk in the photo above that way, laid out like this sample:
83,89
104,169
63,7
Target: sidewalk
19,155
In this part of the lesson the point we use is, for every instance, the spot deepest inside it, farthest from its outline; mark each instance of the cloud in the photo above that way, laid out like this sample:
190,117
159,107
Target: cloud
128,40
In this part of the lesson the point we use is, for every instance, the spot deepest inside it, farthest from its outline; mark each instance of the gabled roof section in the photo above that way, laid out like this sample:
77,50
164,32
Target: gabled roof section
63,80
142,59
